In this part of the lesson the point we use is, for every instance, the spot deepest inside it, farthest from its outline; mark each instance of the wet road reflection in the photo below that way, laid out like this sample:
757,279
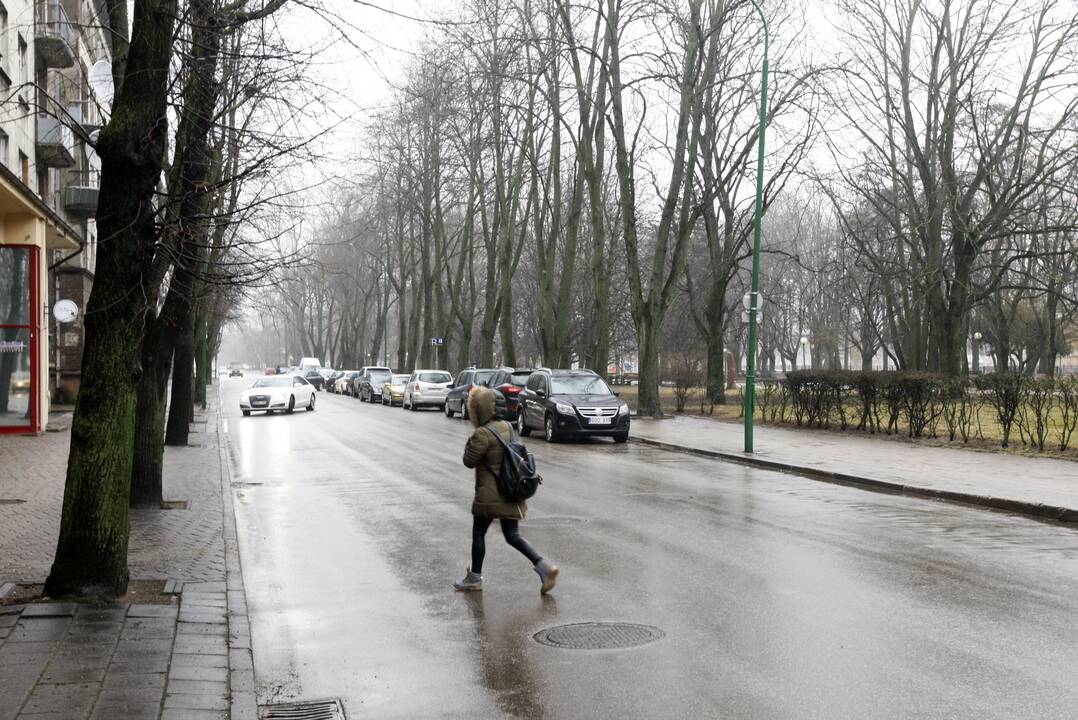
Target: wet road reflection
780,597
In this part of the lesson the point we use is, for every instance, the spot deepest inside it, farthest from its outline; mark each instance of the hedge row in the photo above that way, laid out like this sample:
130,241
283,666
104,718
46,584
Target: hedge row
1044,411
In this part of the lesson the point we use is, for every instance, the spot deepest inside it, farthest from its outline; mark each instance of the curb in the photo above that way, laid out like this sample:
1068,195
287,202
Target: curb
243,703
1038,511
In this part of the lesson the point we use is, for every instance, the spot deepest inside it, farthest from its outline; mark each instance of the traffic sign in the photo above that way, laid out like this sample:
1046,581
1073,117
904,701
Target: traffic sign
437,342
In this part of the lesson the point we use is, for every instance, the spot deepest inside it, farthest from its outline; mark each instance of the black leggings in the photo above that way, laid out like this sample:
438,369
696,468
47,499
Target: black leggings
511,531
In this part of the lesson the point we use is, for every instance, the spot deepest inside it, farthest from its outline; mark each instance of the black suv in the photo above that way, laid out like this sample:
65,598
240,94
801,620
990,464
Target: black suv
314,377
456,400
566,403
509,383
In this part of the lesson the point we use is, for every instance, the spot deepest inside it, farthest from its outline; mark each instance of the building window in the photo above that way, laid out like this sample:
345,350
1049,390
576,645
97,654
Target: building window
3,148
24,66
3,40
24,166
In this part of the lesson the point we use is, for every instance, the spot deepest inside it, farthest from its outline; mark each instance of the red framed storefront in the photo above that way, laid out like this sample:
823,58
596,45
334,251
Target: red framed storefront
19,339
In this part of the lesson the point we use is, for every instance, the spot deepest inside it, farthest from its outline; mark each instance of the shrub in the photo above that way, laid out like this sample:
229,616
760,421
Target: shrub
1068,411
1006,392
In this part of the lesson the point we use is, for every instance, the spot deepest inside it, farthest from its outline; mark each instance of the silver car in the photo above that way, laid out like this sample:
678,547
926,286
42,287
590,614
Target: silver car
426,388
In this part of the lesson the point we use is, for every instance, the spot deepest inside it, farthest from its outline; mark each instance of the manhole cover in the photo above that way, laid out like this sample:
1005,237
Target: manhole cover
553,521
599,636
314,710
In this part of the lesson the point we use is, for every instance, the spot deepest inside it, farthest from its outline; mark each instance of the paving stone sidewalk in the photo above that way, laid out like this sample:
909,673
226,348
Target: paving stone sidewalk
1043,487
187,660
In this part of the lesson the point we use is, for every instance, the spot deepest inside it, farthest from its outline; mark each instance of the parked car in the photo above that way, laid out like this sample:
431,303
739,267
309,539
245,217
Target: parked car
370,384
393,390
456,400
364,372
313,376
270,371
326,373
344,382
510,383
308,362
235,370
277,392
426,388
568,403
330,384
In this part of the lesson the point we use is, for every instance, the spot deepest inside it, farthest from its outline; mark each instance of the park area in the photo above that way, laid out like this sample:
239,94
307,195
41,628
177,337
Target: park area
995,411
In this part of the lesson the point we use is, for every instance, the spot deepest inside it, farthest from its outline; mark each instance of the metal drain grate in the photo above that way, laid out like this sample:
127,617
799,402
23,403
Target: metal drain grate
312,710
599,636
11,501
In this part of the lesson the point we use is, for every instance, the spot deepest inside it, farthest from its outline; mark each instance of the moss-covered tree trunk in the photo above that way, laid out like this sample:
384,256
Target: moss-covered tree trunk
91,552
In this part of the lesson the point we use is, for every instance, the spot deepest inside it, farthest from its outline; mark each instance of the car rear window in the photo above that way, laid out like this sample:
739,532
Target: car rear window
435,377
519,378
482,376
380,376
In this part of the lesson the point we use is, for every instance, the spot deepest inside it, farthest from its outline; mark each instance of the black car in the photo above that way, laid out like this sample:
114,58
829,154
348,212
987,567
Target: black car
509,383
456,400
331,380
313,375
568,403
370,381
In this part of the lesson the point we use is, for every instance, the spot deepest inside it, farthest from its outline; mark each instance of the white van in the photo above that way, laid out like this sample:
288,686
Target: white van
306,363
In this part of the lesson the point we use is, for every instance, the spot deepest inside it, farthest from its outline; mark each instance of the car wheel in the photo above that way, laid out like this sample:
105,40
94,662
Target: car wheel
550,434
310,405
522,427
623,437
245,412
463,409
448,410
291,404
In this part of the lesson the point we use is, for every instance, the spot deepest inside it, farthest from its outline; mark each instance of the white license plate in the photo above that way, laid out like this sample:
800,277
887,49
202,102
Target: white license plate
600,421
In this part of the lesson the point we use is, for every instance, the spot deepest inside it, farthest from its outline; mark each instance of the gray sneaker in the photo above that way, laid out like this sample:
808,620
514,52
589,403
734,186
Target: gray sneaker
472,581
548,574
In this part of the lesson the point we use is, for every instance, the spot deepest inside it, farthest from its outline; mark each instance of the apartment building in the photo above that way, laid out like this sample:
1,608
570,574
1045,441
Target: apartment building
54,58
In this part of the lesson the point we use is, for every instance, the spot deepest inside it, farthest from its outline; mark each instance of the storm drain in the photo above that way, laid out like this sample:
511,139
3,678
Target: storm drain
313,710
11,501
599,636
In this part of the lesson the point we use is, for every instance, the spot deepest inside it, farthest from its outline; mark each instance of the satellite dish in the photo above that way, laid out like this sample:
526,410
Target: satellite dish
65,311
101,83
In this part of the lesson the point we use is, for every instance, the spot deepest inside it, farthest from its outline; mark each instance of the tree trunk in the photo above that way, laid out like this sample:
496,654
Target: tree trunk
91,552
183,369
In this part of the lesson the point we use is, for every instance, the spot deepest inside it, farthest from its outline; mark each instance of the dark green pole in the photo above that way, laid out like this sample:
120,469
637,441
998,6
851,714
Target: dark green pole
750,367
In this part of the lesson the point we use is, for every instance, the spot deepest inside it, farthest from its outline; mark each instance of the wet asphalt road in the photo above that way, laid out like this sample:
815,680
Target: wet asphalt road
780,597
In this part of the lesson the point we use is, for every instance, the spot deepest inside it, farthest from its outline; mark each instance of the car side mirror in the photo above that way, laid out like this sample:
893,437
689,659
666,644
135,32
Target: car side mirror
616,393
541,393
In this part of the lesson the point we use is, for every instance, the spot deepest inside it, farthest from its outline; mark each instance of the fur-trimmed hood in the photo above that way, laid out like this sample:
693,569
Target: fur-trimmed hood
481,405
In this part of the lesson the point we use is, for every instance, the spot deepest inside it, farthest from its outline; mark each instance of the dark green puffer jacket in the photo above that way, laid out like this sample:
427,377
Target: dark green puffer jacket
484,453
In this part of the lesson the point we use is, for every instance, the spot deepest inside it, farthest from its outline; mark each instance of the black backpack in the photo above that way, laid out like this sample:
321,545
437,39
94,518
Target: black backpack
518,479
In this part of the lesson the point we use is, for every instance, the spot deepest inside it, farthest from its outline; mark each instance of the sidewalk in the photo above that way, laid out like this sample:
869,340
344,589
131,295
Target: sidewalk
181,654
1040,487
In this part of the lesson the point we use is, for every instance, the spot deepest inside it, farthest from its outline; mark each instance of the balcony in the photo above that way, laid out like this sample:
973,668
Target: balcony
80,195
54,35
55,143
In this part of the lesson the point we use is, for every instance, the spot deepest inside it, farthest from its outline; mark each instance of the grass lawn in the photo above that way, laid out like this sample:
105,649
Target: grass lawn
985,431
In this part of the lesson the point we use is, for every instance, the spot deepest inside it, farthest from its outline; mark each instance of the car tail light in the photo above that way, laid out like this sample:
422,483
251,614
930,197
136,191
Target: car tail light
510,389
416,386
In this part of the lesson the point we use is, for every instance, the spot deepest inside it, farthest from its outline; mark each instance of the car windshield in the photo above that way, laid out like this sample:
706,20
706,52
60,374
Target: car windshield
380,377
435,377
273,381
398,380
578,385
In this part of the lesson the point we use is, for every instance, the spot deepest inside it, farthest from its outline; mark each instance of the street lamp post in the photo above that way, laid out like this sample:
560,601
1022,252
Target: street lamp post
977,352
804,352
750,369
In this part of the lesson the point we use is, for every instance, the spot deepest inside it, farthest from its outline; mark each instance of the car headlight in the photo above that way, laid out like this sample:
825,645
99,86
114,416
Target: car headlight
564,409
624,409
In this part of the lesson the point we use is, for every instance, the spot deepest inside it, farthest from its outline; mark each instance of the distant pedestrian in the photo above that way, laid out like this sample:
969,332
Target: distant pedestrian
484,453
